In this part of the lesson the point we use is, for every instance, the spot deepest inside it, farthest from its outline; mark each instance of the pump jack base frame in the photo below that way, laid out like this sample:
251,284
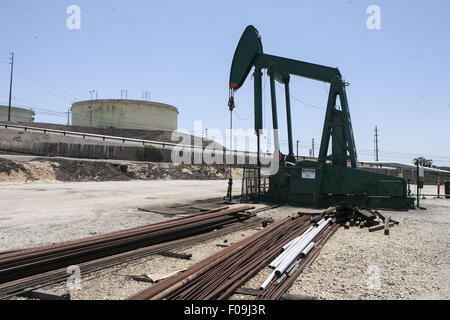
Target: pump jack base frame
312,184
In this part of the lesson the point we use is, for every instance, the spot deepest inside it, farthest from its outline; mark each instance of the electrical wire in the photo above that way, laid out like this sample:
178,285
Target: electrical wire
41,84
301,101
37,75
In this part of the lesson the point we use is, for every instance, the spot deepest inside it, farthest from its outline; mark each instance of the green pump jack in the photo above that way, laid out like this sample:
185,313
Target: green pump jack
335,178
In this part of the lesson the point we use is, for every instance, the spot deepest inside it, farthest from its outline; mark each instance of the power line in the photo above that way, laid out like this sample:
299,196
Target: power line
42,79
42,85
301,101
243,118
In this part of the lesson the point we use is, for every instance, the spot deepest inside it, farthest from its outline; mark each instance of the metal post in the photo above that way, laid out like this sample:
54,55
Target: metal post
274,111
417,183
297,148
288,115
438,186
257,75
10,86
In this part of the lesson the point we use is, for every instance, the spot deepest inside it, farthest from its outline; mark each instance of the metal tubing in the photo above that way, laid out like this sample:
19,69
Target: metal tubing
235,270
267,281
156,291
277,292
20,264
35,252
36,281
286,246
306,250
292,244
299,248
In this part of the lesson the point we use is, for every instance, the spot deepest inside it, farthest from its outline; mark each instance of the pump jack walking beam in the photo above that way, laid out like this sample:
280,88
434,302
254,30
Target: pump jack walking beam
335,178
249,53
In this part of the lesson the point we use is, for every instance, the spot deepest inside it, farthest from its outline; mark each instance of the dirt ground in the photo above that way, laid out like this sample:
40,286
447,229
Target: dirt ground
410,263
35,214
57,169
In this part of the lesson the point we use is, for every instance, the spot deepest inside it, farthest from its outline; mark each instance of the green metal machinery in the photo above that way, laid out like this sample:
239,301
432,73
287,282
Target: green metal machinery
335,177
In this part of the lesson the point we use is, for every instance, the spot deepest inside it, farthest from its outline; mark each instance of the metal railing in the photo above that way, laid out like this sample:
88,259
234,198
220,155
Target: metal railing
144,142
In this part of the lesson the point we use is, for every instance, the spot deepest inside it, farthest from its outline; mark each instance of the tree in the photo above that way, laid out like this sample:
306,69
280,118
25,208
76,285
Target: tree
423,162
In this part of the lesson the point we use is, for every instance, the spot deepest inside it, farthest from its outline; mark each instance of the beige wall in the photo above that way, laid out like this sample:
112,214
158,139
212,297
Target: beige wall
17,114
126,114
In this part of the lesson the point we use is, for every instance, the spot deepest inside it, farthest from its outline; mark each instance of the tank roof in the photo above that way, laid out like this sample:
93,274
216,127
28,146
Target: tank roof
18,108
149,103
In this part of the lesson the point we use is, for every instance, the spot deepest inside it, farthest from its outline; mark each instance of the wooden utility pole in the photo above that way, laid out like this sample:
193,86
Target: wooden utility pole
10,86
376,143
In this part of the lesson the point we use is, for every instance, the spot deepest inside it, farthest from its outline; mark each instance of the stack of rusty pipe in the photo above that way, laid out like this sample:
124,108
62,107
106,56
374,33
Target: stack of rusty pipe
24,263
277,288
218,276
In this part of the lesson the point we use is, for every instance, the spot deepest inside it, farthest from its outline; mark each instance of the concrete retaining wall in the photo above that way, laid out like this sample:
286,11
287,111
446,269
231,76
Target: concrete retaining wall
89,151
101,151
148,153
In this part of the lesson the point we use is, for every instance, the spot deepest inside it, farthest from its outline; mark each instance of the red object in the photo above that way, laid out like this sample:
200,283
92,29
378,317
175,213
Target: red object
233,86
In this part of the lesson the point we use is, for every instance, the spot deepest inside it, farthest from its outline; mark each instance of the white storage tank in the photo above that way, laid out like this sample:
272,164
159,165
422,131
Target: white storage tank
125,114
17,114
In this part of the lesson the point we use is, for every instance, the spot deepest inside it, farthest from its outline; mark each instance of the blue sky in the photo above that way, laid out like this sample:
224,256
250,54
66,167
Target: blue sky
181,52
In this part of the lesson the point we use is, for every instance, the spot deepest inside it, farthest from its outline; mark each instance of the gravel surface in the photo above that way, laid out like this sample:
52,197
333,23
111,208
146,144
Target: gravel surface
35,214
410,263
